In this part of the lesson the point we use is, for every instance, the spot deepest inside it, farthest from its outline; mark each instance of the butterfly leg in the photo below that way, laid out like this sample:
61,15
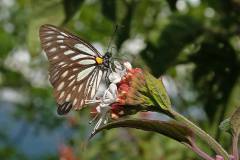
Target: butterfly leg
107,77
94,119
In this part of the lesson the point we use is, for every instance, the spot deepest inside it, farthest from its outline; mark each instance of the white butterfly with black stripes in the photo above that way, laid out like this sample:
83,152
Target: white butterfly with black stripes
76,67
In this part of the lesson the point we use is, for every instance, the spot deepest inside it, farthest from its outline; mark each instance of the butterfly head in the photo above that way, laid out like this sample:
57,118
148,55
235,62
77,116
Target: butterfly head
108,55
107,59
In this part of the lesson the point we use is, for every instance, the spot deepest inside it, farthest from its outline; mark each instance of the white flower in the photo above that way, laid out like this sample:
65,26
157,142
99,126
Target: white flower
119,68
103,108
127,65
110,94
114,77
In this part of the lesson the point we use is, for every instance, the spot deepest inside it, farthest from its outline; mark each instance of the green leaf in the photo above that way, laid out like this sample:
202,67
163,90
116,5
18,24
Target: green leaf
212,79
235,121
109,9
171,129
173,38
225,125
158,91
70,8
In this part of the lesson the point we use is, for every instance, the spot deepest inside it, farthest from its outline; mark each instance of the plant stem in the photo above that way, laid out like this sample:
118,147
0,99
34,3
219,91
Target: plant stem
197,150
235,146
202,134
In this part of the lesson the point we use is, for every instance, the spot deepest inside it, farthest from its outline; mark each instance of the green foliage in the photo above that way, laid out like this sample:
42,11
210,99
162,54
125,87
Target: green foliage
172,39
219,76
7,43
109,9
44,12
70,8
225,125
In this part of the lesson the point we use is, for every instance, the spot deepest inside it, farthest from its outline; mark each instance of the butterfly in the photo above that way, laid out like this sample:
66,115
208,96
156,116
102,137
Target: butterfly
76,67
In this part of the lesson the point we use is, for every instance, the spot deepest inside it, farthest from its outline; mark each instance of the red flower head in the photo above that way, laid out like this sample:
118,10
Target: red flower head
127,86
127,91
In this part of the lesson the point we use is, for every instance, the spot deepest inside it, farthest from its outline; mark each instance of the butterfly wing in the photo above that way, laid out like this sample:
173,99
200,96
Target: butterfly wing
73,70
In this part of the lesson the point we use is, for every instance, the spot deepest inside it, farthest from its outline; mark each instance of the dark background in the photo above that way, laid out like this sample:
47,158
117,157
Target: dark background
194,43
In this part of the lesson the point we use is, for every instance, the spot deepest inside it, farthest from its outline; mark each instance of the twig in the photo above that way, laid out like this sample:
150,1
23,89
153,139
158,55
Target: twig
197,150
202,134
235,146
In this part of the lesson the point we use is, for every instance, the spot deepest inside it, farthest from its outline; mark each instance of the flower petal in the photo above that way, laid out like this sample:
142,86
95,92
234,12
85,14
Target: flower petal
110,95
114,77
127,65
118,65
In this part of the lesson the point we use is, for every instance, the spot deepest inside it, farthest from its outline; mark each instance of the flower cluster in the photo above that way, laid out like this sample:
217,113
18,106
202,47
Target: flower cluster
127,86
126,94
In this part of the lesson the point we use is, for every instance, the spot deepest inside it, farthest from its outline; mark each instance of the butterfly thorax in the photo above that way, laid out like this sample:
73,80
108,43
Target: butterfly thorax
105,60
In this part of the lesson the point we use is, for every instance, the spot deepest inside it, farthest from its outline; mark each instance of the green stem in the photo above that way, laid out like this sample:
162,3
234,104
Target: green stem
202,134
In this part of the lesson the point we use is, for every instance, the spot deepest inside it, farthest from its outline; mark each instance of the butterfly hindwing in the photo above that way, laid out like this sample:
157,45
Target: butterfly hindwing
73,71
64,108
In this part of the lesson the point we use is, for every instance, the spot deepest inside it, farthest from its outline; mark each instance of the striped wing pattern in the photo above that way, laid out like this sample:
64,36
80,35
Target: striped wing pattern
74,73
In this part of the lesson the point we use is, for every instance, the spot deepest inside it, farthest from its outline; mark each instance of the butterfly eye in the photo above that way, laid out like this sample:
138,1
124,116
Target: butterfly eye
75,72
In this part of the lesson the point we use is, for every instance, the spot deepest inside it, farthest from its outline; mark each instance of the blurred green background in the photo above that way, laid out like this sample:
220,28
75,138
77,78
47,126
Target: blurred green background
194,43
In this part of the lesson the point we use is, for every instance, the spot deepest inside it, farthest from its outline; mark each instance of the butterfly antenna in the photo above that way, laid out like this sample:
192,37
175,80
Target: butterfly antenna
121,58
113,35
113,48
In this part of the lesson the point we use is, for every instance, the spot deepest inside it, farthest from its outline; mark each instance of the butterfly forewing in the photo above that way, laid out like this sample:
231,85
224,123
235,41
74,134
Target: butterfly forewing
74,73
